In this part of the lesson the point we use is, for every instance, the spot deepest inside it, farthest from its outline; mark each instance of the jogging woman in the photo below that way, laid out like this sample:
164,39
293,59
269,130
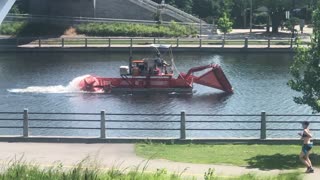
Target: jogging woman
306,136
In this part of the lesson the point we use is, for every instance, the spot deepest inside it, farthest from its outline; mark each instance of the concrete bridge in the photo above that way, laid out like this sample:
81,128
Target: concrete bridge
5,6
116,9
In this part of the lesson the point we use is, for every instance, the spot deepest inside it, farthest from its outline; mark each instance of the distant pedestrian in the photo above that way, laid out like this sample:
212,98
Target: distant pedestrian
301,25
306,136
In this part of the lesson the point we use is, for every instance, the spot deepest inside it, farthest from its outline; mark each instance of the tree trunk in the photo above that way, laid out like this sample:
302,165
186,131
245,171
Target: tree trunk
276,21
268,24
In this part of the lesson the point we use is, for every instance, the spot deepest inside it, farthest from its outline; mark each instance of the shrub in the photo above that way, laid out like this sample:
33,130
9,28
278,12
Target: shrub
99,29
126,29
13,28
31,29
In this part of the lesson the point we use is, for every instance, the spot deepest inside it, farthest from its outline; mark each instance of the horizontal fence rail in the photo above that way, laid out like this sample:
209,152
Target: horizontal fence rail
183,123
108,42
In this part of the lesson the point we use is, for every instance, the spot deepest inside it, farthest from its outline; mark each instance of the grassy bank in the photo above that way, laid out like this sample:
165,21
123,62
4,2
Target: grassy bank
19,171
98,29
253,156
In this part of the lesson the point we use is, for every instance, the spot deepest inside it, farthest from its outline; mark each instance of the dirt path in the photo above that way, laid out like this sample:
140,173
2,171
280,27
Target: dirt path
113,155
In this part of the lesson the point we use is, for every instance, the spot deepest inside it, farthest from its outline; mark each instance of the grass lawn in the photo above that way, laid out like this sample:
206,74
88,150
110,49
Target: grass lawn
264,157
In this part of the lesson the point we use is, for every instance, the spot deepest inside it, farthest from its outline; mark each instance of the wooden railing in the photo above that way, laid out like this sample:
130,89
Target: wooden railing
145,42
180,122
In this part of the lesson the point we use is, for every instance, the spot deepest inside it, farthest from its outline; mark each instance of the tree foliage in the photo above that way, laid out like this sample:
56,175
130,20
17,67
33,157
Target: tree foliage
306,70
239,10
224,24
277,8
20,7
291,23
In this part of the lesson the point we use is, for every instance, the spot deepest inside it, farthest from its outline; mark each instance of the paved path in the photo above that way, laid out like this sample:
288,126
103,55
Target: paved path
110,155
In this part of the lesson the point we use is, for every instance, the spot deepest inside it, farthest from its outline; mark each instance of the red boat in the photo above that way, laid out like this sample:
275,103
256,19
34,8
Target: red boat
155,74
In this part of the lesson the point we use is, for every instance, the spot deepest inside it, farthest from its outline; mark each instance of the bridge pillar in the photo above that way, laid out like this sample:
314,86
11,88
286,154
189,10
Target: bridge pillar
5,6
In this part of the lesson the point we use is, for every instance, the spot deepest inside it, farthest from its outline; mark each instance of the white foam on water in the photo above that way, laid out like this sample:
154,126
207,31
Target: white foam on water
72,87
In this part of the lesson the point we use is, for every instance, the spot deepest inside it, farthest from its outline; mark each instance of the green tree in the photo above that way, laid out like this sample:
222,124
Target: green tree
306,70
157,16
240,13
291,23
185,5
277,9
15,10
20,7
224,24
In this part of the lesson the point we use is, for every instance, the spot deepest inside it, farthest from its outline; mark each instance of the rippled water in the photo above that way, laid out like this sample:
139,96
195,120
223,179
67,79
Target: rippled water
42,82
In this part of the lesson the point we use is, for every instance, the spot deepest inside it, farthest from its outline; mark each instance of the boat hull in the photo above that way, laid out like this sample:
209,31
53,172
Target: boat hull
164,90
214,78
135,84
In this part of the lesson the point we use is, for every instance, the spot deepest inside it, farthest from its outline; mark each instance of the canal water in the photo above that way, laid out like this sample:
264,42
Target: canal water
45,82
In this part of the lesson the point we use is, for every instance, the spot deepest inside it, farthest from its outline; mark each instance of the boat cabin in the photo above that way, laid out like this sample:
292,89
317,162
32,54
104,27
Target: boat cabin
155,66
149,67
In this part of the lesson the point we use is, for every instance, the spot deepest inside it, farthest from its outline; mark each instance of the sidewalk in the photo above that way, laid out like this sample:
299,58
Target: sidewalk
114,155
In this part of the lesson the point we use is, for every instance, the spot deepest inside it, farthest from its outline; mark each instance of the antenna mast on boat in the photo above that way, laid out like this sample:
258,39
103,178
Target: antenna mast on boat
130,60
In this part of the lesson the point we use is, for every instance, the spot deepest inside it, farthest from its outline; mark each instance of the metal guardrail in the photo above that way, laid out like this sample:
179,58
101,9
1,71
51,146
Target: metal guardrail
182,13
141,42
43,18
170,10
183,119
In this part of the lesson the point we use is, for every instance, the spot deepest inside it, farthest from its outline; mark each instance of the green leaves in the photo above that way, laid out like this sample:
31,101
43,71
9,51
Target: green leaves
224,24
126,29
291,23
305,69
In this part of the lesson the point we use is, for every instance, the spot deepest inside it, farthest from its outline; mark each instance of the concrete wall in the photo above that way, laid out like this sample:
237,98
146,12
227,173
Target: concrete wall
118,9
5,6
77,8
121,9
39,7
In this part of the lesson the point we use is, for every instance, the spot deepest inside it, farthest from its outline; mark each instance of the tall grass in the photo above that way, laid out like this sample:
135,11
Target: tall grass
21,170
85,170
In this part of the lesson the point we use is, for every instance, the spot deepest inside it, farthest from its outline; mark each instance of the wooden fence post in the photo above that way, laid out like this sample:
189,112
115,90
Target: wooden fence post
223,42
109,42
85,42
131,43
154,40
269,43
177,42
102,124
200,42
263,130
246,43
39,42
291,43
17,42
25,123
62,42
183,125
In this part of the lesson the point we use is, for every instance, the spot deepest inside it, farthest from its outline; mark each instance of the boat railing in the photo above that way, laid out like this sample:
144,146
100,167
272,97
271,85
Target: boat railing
260,126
